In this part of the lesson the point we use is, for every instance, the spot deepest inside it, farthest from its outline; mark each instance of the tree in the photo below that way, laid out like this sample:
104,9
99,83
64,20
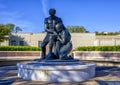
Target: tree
10,26
13,28
96,32
17,29
107,33
77,29
4,31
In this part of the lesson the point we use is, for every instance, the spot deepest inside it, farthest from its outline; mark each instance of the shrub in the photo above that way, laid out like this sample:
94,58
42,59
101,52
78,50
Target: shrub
19,48
98,48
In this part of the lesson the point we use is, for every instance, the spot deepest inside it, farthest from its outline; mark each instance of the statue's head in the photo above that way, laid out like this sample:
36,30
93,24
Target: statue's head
59,27
52,12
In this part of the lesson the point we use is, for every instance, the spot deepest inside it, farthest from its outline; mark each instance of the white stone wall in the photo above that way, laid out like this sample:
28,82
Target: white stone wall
5,43
83,39
117,42
78,39
30,39
107,40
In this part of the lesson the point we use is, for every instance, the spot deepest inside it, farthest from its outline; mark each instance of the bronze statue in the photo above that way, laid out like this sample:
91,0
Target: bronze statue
58,38
63,42
49,24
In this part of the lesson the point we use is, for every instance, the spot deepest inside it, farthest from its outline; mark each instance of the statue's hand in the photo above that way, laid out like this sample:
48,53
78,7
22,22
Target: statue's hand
58,38
54,33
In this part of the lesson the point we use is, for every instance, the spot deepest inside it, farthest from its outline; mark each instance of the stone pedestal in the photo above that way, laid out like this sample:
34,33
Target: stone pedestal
56,71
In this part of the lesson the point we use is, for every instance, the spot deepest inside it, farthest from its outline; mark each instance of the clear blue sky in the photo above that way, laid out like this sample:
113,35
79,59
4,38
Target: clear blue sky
94,15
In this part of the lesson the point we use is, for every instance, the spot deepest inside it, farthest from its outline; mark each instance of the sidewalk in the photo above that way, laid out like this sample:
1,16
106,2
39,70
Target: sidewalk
8,75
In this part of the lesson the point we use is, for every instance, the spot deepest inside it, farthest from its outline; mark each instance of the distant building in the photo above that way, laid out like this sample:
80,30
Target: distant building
78,39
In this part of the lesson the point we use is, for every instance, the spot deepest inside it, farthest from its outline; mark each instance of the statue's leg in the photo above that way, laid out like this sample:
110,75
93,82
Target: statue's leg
43,46
51,44
64,50
57,49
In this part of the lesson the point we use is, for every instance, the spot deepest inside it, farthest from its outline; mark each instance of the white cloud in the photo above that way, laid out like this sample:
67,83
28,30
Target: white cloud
11,14
26,26
44,7
16,18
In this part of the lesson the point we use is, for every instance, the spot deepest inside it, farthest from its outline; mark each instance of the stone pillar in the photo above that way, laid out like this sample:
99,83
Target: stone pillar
114,41
97,42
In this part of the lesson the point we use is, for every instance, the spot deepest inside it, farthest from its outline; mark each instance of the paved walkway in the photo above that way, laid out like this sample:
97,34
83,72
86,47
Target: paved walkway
8,75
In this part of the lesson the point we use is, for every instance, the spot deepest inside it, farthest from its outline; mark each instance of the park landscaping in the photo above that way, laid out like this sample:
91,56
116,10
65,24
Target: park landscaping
19,48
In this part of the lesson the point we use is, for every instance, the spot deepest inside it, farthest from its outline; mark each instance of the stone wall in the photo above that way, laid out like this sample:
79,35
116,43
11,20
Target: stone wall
29,39
82,39
82,55
5,43
107,40
102,58
108,58
78,39
19,55
35,39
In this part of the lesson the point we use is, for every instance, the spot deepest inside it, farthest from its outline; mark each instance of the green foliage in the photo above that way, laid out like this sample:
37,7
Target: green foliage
4,31
98,48
19,48
76,29
9,26
107,33
17,29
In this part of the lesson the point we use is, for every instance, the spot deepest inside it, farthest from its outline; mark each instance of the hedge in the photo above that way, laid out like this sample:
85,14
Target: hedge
80,48
19,48
98,48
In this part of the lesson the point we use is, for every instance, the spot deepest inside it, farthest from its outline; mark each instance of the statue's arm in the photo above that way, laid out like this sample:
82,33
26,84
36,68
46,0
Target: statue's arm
62,38
46,27
60,20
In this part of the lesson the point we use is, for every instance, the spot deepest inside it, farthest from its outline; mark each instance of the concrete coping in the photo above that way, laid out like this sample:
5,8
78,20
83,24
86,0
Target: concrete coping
96,51
43,66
